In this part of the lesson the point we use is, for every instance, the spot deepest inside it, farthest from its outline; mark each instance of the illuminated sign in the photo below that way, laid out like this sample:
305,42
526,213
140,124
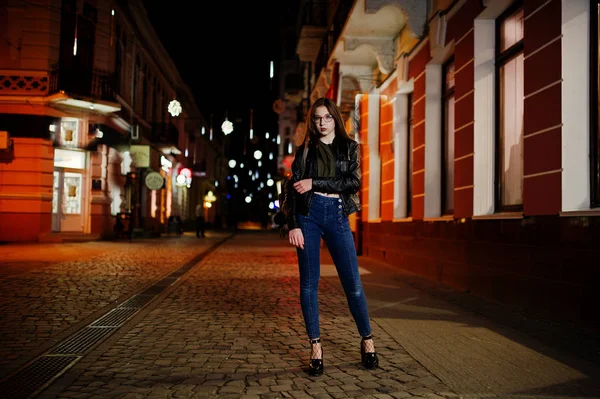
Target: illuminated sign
154,180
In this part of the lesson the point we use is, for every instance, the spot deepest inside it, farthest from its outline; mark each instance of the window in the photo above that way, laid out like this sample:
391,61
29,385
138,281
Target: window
594,114
448,138
409,149
509,109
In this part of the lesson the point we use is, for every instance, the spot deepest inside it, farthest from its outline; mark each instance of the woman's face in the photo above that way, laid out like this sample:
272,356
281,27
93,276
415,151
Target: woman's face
324,122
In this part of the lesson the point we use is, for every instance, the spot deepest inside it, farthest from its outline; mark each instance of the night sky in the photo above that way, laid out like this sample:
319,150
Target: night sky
222,51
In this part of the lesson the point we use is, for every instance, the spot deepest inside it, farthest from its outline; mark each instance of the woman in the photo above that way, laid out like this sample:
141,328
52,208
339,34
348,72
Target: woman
319,196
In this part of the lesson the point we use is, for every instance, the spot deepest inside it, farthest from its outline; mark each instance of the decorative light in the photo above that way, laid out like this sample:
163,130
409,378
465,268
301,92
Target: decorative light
232,163
210,197
270,182
227,127
248,199
174,108
257,154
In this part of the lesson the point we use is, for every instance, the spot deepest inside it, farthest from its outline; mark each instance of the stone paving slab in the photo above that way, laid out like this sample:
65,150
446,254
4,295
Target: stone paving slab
233,329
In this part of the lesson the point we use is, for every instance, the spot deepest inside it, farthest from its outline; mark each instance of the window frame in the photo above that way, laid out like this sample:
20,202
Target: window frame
446,94
501,58
409,155
594,103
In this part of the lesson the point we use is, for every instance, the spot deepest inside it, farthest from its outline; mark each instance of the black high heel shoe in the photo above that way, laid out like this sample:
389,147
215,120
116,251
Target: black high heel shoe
369,359
315,367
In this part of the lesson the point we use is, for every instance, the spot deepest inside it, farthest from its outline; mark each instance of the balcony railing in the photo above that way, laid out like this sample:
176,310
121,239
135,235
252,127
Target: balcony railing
98,84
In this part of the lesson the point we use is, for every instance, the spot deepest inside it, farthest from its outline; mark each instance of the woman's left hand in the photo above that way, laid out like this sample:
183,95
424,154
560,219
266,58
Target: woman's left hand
303,186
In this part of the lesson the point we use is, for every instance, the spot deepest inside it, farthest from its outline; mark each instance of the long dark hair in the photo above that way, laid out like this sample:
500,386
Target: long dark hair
311,135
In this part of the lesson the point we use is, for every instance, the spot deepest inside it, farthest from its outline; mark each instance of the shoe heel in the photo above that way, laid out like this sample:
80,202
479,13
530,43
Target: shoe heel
368,359
315,367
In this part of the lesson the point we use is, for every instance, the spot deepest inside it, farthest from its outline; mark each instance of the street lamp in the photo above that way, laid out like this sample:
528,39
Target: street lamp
227,127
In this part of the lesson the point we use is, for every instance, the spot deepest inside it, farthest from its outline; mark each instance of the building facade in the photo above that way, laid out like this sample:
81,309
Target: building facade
96,124
478,126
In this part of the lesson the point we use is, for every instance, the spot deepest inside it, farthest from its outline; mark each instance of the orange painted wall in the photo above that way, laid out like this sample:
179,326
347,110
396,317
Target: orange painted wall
386,134
26,191
416,71
364,152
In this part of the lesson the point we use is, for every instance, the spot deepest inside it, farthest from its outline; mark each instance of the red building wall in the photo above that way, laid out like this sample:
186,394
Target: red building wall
461,30
542,119
543,263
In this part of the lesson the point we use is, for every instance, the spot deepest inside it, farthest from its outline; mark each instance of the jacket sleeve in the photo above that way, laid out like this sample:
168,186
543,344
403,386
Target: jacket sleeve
349,182
290,194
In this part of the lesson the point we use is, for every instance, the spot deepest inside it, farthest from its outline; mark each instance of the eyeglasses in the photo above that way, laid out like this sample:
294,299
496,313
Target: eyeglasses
327,118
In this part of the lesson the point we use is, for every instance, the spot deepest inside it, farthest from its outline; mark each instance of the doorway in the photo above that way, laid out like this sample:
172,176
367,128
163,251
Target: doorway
67,210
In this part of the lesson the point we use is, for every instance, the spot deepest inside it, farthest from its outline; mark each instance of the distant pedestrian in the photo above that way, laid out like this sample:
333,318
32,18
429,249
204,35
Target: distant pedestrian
200,222
324,181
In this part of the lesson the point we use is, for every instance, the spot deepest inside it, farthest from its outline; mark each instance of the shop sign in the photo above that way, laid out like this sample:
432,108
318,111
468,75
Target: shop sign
154,180
140,155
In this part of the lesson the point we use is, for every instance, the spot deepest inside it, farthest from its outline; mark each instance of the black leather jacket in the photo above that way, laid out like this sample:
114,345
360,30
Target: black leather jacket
346,182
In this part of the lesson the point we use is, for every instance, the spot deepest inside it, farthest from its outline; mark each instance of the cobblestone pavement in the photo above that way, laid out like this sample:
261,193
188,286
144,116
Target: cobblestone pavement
231,327
45,297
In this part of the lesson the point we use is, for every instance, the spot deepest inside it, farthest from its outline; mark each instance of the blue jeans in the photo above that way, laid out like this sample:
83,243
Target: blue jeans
326,219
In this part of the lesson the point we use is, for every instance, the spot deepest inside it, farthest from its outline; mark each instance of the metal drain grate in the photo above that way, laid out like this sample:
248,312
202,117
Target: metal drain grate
137,301
82,340
114,318
166,281
36,376
154,290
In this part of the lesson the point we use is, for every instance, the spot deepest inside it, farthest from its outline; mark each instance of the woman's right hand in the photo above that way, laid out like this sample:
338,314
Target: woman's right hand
296,238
